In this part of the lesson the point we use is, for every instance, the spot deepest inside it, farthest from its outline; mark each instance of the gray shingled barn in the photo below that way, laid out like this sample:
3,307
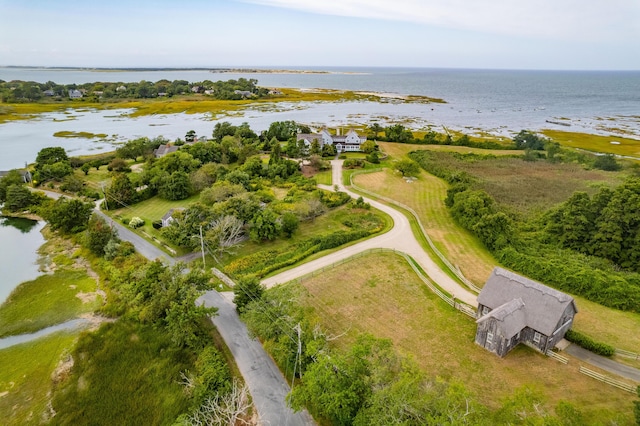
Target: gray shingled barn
513,309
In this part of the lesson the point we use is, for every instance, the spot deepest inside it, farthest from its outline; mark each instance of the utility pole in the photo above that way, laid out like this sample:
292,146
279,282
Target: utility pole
204,265
104,194
298,354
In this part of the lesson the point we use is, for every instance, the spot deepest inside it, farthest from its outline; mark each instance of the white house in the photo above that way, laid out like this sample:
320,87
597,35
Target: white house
343,143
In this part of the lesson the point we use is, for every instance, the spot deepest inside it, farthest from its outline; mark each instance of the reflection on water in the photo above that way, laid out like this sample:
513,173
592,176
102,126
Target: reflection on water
19,243
23,225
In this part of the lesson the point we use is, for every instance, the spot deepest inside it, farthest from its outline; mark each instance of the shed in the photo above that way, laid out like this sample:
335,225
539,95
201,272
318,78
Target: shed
513,309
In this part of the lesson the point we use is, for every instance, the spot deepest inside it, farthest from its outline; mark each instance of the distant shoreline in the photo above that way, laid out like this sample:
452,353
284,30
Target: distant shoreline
211,70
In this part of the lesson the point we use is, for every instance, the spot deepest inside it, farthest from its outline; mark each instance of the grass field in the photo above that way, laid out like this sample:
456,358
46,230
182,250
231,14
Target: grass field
596,143
380,294
399,150
323,177
426,196
26,377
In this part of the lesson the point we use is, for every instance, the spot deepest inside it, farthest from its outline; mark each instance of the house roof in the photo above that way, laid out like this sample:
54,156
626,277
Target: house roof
165,149
310,136
543,305
168,214
511,316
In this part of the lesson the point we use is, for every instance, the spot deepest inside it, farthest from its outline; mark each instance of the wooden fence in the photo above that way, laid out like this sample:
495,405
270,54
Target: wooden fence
558,357
608,380
459,305
628,354
454,269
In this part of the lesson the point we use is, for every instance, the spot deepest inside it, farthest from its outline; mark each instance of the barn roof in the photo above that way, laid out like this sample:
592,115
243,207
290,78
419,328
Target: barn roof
543,306
511,316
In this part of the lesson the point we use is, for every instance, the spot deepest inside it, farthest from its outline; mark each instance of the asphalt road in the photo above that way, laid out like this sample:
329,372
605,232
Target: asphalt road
603,363
267,385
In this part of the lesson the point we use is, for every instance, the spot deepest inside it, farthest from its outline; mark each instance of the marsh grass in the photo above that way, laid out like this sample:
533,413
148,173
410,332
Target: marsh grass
124,374
26,377
380,294
85,135
46,301
596,143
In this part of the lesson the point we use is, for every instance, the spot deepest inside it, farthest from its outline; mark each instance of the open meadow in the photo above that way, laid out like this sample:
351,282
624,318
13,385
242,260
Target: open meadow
380,294
426,196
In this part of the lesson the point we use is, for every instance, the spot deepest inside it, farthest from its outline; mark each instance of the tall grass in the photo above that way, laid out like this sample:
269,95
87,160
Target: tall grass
46,301
26,377
124,374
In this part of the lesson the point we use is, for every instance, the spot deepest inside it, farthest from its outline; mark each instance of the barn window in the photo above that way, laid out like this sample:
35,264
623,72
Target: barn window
489,338
485,310
536,337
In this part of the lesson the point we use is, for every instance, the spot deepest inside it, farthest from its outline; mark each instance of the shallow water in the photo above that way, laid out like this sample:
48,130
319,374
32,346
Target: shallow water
19,242
24,338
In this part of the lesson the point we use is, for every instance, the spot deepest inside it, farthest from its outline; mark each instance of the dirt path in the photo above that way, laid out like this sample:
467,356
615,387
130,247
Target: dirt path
400,238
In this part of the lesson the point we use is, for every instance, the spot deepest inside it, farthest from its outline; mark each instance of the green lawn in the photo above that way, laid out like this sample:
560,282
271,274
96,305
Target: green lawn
323,177
26,378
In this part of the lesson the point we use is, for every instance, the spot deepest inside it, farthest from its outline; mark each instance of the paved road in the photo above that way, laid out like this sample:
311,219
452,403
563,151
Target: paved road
603,363
143,246
266,384
400,238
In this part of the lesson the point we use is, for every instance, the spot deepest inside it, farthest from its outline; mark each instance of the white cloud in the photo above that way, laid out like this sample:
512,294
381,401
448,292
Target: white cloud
579,20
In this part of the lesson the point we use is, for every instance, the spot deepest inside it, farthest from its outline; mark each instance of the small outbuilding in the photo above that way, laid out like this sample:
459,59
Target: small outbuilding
513,309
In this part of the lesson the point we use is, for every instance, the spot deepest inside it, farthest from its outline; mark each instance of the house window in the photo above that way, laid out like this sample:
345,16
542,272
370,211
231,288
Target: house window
489,338
536,337
485,310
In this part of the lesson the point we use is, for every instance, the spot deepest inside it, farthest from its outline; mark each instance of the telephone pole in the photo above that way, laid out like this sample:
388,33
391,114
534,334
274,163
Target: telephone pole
204,265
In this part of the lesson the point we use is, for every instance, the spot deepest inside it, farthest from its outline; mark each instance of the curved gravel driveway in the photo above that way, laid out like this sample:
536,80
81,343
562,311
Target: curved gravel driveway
400,238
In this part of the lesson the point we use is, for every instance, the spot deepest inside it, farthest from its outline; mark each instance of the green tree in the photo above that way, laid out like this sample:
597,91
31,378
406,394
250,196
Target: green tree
264,226
68,216
190,136
529,140
98,235
176,186
247,290
290,224
18,197
51,155
122,192
85,168
368,147
408,167
12,178
607,162
398,133
315,148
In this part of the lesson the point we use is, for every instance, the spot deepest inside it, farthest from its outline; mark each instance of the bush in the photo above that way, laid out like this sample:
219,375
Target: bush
136,222
157,224
589,344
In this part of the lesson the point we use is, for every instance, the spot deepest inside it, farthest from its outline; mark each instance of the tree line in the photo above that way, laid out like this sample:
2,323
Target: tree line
17,91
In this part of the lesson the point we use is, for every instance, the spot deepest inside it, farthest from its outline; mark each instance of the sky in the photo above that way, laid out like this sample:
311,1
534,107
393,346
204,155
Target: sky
493,34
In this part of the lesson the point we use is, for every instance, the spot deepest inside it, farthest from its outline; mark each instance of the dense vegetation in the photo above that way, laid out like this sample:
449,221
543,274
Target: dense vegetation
580,245
30,91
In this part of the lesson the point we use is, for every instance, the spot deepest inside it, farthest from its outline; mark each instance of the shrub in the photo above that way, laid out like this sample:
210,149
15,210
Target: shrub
136,222
589,344
157,224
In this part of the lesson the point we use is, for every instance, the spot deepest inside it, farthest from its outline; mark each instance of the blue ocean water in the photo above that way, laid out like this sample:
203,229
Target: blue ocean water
498,102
